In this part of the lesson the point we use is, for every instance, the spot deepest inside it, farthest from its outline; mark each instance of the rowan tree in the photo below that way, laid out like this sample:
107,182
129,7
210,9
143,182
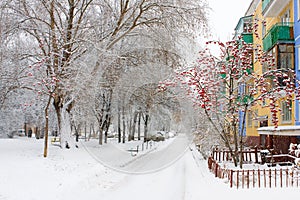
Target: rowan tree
227,86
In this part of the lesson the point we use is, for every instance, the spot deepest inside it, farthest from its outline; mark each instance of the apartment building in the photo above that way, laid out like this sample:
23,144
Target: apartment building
278,35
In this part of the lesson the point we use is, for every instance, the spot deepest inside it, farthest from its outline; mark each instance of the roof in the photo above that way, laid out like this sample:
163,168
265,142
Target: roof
280,130
252,7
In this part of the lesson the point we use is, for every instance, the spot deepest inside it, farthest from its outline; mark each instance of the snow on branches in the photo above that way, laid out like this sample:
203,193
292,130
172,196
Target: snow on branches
229,83
41,83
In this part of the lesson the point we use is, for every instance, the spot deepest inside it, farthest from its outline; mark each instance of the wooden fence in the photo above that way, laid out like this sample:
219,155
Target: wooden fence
283,177
249,155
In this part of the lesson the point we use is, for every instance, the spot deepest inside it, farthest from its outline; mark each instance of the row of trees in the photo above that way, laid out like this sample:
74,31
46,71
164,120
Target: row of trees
80,55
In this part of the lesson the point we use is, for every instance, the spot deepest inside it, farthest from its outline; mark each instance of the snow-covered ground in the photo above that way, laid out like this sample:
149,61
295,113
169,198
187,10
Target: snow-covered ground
78,173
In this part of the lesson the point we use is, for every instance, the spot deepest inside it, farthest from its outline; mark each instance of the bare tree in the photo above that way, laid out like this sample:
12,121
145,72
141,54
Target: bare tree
64,34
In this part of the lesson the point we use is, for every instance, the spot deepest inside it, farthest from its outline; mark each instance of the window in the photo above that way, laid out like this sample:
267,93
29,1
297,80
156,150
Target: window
286,111
285,18
255,116
241,89
285,58
285,61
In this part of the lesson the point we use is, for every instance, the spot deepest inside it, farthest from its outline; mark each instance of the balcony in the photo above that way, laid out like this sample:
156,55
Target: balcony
248,37
279,33
272,8
244,29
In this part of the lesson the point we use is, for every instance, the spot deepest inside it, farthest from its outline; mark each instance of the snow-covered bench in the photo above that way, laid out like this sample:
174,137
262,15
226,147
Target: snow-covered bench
55,140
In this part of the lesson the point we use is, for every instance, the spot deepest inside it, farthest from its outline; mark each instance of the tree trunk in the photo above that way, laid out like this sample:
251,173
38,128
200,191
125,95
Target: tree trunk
100,135
139,125
236,147
65,134
129,124
85,131
64,124
146,126
105,126
46,128
124,124
134,124
241,136
119,125
105,131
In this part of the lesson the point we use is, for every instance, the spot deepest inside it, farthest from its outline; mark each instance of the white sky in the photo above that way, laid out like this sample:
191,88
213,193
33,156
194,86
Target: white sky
225,15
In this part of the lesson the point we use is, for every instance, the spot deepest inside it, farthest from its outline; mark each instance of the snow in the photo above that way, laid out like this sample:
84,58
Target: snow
78,173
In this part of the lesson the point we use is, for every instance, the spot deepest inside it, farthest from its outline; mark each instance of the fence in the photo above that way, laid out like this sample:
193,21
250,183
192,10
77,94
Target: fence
251,178
249,155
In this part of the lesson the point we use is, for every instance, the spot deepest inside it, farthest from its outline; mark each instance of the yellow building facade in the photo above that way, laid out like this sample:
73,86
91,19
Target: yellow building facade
274,34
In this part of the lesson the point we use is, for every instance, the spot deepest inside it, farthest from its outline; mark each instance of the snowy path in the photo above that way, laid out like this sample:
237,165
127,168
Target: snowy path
75,175
154,159
176,182
158,160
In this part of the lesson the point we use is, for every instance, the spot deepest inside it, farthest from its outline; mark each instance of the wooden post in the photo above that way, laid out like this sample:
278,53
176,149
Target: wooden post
258,176
253,178
292,176
231,177
287,177
270,178
256,155
265,179
243,178
280,177
237,179
275,177
248,178
210,161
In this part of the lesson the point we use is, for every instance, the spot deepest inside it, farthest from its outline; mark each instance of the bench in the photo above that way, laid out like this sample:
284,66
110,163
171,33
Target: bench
55,140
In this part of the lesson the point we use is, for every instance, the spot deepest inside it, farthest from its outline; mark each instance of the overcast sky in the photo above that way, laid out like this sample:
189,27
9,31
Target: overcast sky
225,15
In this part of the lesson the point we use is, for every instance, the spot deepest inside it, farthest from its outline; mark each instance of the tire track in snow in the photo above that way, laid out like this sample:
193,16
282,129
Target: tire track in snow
184,177
2,197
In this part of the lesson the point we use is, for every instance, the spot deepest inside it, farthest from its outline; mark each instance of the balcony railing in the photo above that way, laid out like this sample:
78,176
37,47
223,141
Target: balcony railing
280,32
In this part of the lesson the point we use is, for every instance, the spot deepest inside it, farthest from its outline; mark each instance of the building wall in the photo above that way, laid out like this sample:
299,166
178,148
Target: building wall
257,110
297,53
262,111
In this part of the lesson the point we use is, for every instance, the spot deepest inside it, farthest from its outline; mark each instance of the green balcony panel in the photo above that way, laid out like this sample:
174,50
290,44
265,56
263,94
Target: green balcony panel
280,32
248,38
